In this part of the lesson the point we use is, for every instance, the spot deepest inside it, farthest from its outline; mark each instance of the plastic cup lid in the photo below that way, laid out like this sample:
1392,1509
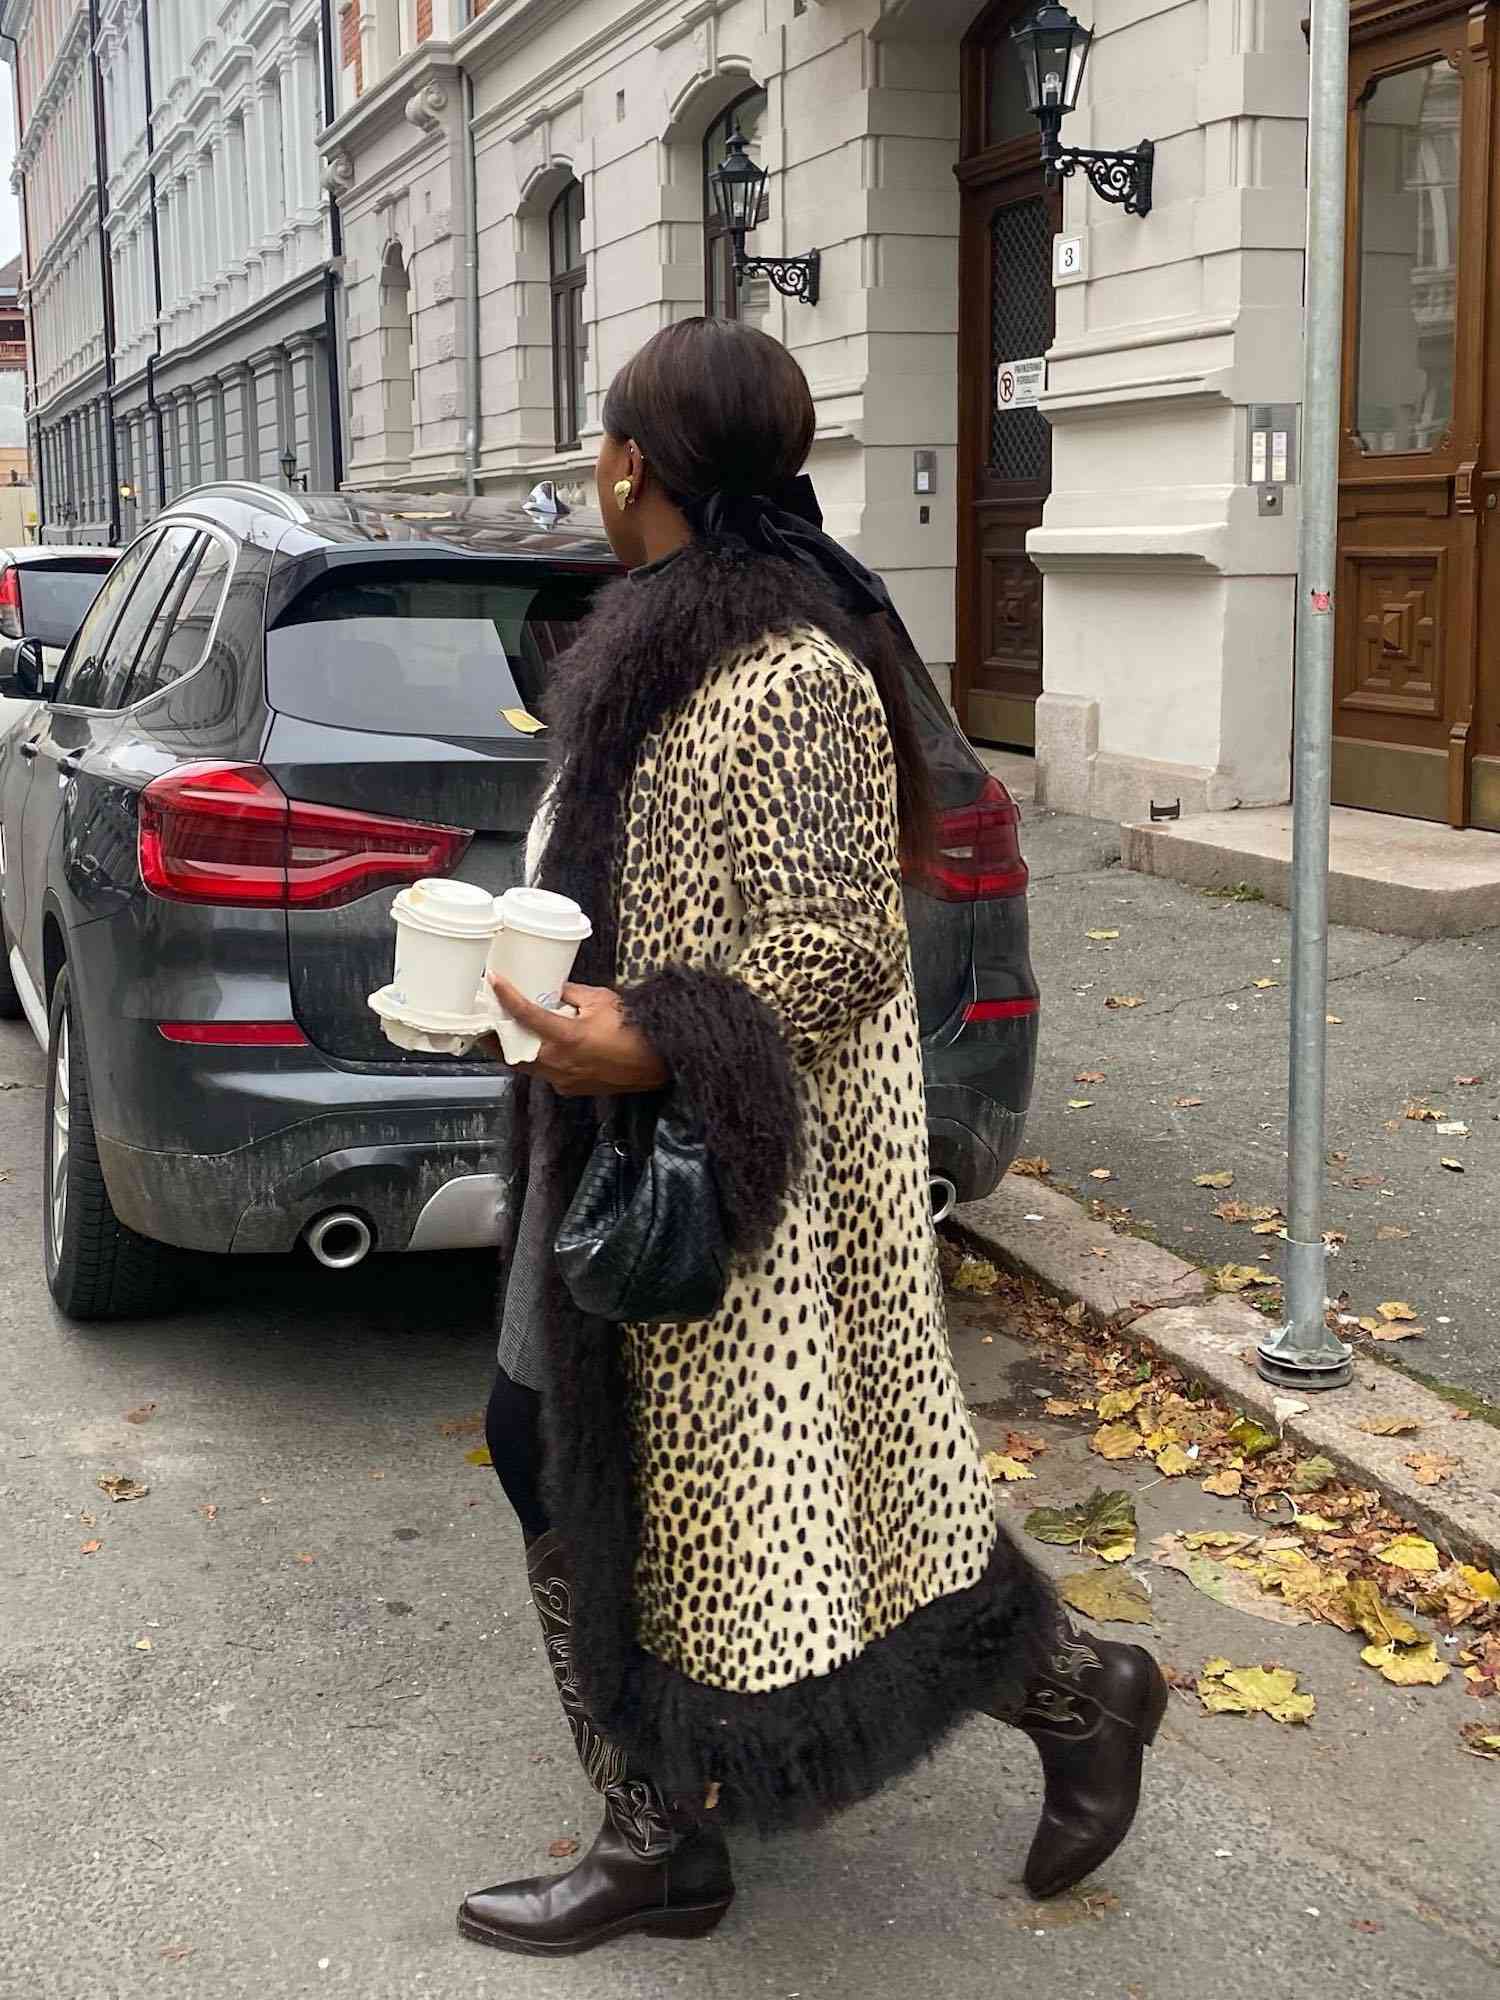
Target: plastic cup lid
459,909
540,913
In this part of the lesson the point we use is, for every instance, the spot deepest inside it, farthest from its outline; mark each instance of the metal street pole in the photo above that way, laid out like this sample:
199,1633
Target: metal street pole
1305,1354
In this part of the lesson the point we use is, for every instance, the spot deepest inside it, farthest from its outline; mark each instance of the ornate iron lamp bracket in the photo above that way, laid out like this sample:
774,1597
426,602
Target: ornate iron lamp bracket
793,277
1123,178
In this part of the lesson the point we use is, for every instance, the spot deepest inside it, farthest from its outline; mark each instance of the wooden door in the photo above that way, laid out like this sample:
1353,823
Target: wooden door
1008,220
1415,687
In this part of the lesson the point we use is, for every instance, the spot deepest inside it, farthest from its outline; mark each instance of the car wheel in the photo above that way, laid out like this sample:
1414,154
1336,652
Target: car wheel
96,1267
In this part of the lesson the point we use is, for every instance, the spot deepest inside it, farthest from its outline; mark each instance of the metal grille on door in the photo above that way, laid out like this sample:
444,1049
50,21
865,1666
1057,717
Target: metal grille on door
1021,327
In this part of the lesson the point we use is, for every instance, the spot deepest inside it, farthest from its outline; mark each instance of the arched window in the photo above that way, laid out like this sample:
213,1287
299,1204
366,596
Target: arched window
570,334
722,296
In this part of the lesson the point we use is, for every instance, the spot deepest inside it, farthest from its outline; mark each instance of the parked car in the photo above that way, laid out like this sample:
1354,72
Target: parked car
279,710
44,591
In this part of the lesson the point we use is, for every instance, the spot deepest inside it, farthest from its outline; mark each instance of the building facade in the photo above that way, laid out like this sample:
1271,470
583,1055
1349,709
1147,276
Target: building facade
1093,572
178,246
15,467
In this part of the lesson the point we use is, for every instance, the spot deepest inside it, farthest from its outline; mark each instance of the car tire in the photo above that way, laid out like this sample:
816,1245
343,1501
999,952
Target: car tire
96,1267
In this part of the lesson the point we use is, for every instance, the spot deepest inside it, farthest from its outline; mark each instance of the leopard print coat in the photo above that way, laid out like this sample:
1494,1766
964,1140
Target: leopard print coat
814,1586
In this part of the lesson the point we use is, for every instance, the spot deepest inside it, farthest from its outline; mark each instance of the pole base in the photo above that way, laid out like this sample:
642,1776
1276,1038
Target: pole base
1326,1370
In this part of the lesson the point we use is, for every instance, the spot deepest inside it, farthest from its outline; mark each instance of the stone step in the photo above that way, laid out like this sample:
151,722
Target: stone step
1409,876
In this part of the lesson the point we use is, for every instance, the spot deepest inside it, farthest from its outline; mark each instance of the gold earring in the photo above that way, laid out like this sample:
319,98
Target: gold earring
624,493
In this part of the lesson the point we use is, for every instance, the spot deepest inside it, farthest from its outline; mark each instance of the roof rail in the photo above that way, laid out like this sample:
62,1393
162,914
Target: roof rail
237,489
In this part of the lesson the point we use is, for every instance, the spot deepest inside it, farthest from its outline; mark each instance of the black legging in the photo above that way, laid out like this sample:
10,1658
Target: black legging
513,1432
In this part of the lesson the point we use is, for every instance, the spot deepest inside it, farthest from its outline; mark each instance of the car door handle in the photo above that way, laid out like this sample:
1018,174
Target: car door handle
30,747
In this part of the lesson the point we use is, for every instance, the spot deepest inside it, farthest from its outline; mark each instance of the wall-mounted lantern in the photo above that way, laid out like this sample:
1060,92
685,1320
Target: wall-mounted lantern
289,470
1053,48
738,185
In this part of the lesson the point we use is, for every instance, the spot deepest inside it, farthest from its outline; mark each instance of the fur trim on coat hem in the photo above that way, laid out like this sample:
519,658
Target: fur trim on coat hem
733,1071
795,1755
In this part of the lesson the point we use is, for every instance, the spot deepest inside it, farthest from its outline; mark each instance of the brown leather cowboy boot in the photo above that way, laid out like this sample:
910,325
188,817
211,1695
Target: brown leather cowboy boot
652,1867
1091,1711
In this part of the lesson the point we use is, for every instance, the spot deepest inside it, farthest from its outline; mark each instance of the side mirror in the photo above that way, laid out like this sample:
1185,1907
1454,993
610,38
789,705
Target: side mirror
24,676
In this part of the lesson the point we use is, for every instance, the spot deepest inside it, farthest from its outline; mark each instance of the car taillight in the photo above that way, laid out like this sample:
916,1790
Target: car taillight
976,854
228,833
10,602
234,1034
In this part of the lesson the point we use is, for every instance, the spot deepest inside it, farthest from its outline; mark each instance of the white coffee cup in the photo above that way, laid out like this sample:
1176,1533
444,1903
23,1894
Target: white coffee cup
443,930
534,949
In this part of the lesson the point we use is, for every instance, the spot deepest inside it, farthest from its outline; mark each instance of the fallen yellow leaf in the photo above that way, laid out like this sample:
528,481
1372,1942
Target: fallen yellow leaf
976,1275
1263,984
1173,1462
1395,1309
1480,1741
1408,1666
1080,1103
1411,1552
480,1455
1229,1690
1390,1427
1241,1277
1100,937
1101,1174
1126,1000
999,1465
1116,1441
1118,1403
1226,1483
1482,1582
1431,1467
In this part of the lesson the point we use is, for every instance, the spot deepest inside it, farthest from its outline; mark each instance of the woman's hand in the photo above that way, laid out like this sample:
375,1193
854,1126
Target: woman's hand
598,1055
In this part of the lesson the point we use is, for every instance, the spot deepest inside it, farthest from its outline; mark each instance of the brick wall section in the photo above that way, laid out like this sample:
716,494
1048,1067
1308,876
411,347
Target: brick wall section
349,48
424,19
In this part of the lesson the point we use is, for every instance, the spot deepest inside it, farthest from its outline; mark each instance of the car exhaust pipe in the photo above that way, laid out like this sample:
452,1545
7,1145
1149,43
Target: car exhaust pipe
339,1240
944,1197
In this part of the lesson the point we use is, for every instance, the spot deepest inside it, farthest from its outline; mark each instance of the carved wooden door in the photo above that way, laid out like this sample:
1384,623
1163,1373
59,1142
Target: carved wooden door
1007,224
1416,690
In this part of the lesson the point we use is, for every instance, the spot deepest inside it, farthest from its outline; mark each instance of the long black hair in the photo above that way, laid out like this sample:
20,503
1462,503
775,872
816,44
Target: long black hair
719,409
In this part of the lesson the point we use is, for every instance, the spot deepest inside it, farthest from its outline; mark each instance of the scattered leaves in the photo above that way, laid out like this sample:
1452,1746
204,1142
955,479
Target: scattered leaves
1080,1103
1226,1483
1108,1595
1104,1524
977,1276
143,1645
1408,1666
1236,1589
1000,1466
1117,1000
1101,1173
1479,1740
1263,985
559,1850
1186,1103
1395,1309
1313,1474
1411,1552
480,1455
1431,1467
1089,1076
90,1548
1225,1689
1222,1179
209,1510
1482,1583
120,1486
1251,1438
1391,1232
1034,1169
1241,1277
1424,1114
142,1415
1116,1403
1116,1441
1172,1461
1391,1427
1063,1406
1389,1330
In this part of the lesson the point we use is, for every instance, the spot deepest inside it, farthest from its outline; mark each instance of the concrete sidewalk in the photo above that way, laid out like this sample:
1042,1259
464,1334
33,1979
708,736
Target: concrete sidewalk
1192,1081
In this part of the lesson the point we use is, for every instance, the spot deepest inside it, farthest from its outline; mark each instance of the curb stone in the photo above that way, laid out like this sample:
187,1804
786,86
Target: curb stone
1033,1230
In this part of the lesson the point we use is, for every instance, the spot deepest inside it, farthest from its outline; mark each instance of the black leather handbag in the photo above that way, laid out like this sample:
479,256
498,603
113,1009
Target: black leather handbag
643,1240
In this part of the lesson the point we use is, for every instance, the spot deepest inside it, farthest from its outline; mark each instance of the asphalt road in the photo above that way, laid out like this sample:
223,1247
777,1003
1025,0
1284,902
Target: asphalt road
1413,1015
343,1721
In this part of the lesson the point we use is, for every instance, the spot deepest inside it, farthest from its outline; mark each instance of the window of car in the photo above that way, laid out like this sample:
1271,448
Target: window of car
117,656
436,655
179,633
56,595
81,669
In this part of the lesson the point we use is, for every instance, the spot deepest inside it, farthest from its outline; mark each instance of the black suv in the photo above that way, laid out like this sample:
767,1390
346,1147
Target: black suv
277,712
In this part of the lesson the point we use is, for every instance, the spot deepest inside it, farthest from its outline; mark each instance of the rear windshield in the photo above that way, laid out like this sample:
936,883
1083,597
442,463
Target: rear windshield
54,597
432,656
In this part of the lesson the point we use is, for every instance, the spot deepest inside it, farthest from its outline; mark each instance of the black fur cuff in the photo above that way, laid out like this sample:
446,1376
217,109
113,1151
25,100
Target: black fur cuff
731,1064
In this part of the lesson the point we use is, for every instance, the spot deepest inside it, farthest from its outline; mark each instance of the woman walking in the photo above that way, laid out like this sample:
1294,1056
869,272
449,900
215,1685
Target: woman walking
762,1545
